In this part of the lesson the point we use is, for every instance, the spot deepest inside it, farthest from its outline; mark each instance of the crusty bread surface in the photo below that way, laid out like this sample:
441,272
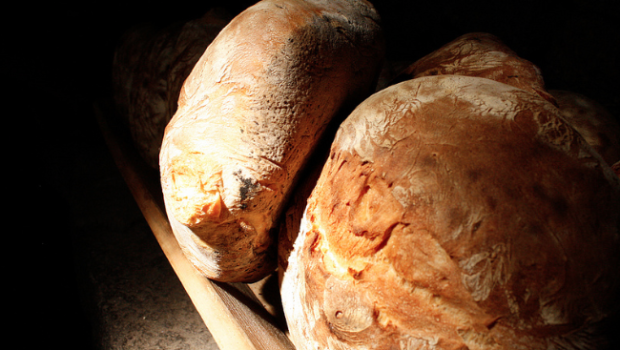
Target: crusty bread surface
456,212
475,54
249,115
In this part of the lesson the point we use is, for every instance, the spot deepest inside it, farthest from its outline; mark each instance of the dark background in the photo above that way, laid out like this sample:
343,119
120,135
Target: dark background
58,65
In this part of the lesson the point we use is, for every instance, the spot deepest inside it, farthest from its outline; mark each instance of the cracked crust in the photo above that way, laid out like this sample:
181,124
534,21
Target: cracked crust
456,213
250,113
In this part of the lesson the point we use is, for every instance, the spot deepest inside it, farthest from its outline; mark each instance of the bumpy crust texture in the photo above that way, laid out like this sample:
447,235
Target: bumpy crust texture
149,67
473,54
454,213
600,129
480,55
249,115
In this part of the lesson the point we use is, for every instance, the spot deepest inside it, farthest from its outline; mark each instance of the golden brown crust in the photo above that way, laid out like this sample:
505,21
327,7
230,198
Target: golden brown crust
456,213
480,55
249,115
599,128
149,67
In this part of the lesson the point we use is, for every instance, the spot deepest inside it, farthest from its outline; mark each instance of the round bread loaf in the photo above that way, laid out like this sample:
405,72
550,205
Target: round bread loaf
149,67
456,212
474,54
600,129
250,114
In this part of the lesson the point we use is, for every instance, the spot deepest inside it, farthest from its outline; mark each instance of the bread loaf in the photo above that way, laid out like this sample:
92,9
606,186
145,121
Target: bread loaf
473,54
480,55
250,114
600,129
149,66
456,212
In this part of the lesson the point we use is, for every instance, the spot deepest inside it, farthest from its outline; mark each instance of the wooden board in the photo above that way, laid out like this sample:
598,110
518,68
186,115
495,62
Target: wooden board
236,314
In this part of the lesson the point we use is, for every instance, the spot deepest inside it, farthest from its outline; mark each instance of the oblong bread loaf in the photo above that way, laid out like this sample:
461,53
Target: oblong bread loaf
456,212
250,113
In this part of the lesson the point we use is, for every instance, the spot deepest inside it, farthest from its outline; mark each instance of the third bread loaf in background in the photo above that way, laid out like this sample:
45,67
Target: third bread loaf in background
249,115
481,55
456,212
599,128
149,66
